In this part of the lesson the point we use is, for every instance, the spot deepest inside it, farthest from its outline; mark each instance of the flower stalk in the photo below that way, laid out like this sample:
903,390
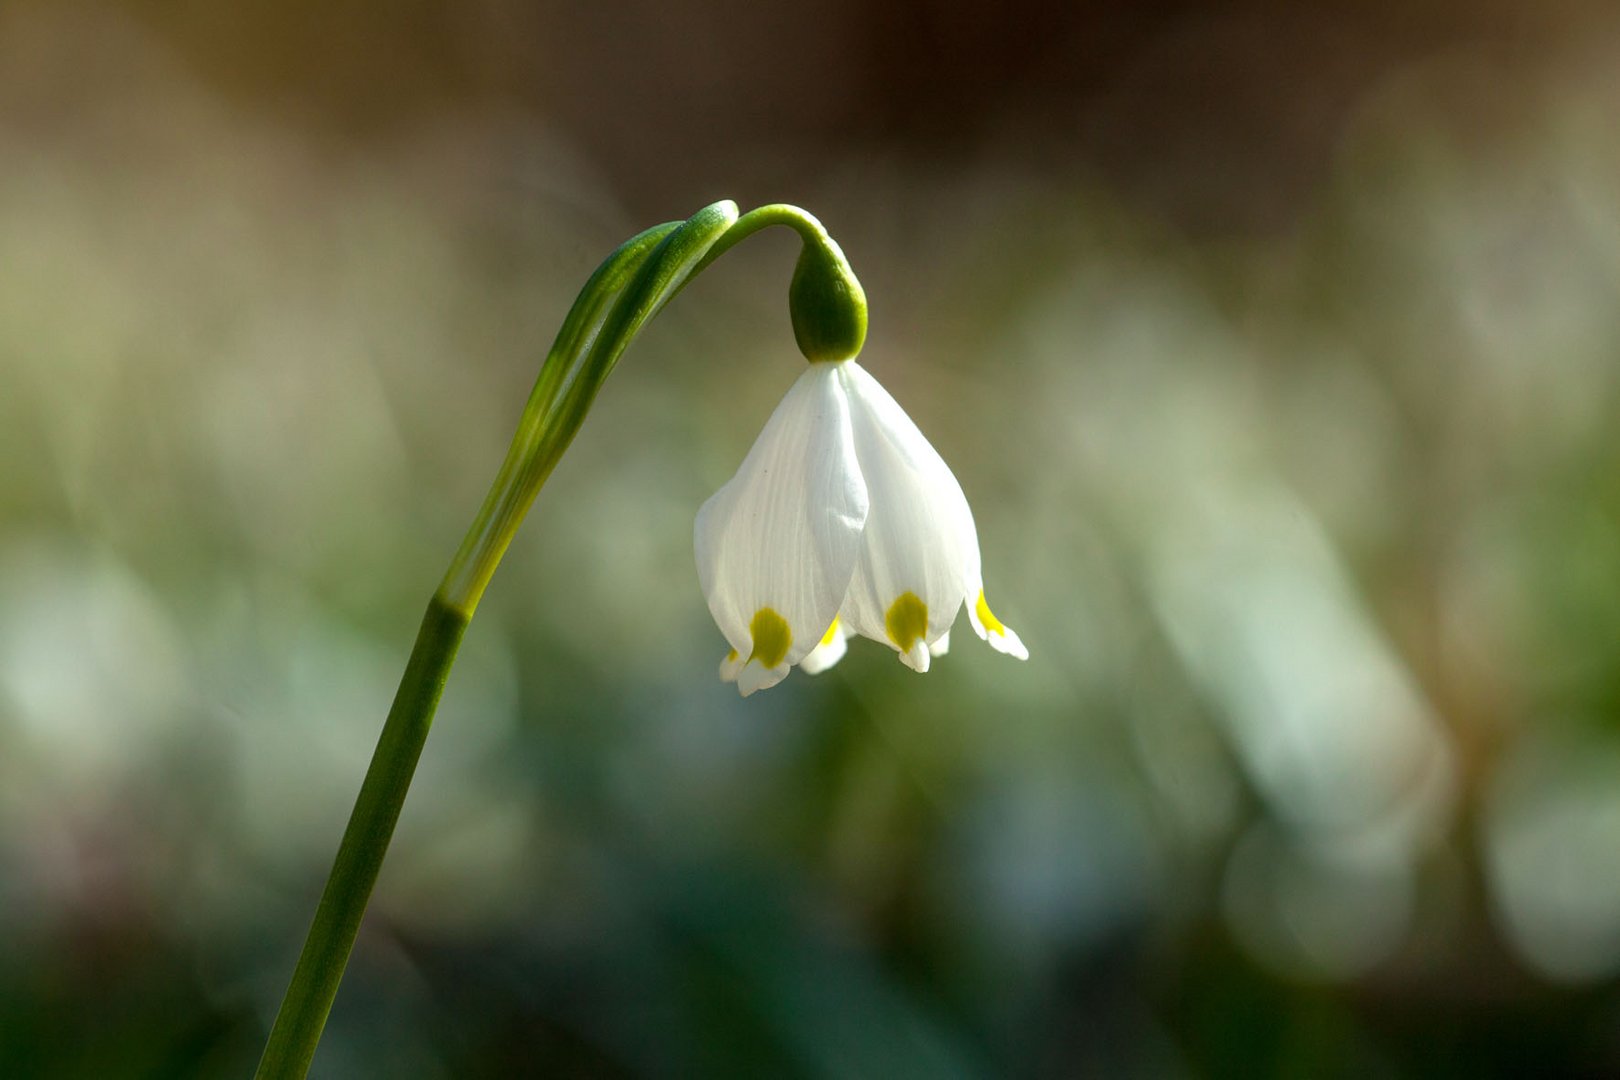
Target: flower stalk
619,299
315,980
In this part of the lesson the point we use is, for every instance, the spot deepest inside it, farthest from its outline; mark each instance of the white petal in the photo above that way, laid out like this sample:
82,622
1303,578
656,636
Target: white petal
1009,643
1002,638
942,646
756,676
919,540
916,658
831,649
779,540
731,666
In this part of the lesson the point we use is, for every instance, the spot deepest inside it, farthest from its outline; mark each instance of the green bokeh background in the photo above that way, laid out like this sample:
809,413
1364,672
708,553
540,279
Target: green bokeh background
1277,348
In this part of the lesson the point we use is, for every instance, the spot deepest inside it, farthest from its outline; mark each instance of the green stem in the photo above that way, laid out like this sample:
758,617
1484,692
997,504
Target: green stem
337,920
627,291
809,228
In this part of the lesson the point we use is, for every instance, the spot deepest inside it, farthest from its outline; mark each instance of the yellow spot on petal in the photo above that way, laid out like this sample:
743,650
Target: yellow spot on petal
987,618
906,621
731,656
771,637
832,632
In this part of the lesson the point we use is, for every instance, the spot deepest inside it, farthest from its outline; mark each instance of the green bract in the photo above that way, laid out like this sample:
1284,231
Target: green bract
825,300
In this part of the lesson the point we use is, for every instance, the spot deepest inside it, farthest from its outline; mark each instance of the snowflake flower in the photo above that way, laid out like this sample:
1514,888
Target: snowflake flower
842,520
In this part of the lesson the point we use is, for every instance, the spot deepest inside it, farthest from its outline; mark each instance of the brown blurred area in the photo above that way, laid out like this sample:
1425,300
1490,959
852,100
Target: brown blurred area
1222,116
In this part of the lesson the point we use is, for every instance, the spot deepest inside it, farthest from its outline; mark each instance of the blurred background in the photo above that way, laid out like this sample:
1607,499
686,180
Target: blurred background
1275,345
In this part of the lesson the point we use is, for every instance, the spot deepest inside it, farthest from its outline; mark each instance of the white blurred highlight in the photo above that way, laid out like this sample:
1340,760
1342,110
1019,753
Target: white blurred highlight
1550,836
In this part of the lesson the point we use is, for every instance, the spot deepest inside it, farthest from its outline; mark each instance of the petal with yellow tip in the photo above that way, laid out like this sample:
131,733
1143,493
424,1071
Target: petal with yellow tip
919,547
782,535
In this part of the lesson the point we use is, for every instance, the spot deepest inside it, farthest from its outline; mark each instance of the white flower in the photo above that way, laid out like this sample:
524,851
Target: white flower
842,520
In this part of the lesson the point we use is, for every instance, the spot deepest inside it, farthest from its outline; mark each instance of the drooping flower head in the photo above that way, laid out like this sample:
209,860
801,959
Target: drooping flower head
842,520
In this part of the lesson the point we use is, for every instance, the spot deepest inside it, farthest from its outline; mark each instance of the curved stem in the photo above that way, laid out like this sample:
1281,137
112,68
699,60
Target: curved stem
315,981
631,287
806,224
